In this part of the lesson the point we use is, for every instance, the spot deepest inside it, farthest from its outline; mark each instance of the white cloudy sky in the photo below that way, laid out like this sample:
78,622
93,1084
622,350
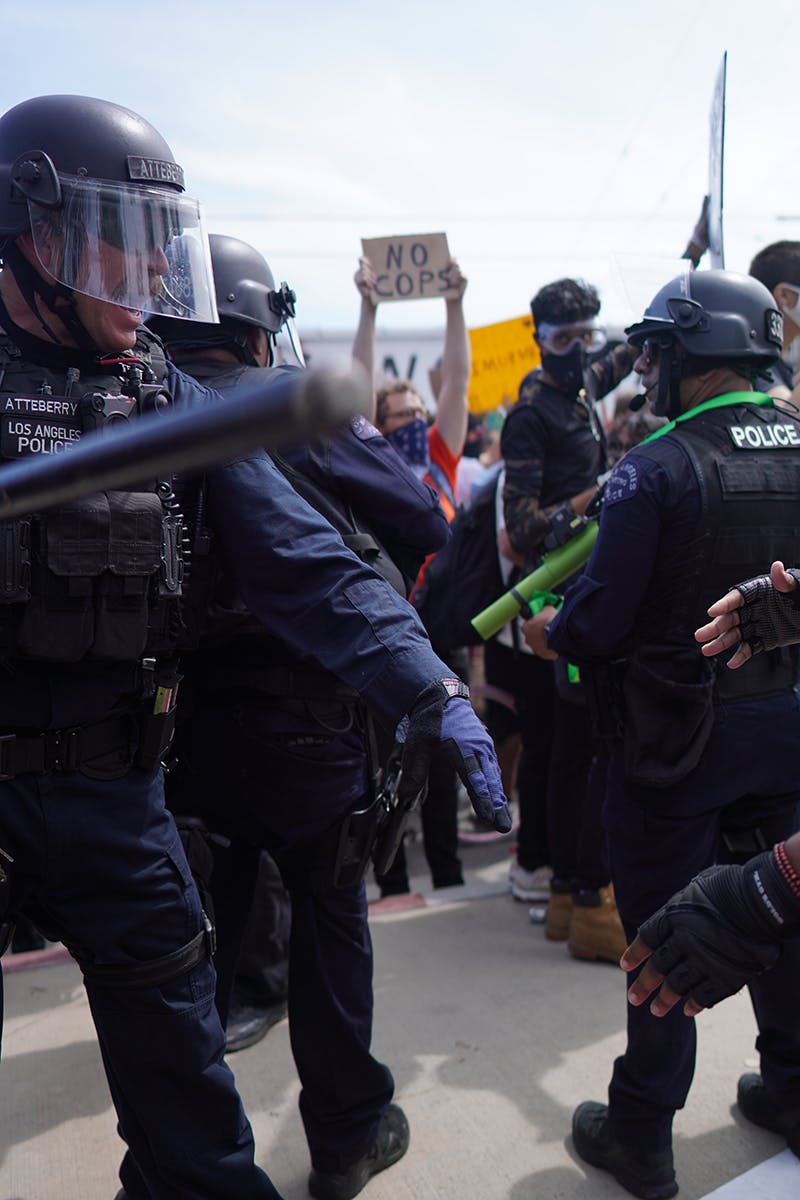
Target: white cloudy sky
544,138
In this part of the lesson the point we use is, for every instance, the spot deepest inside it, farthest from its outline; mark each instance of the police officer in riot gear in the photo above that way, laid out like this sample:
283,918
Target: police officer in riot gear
250,904
703,763
95,227
304,745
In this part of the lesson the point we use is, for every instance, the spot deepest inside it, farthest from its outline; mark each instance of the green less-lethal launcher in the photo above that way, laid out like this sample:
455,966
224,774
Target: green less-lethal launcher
554,568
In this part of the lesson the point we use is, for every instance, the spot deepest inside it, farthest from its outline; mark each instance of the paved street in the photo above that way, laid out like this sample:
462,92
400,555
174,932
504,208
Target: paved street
493,1033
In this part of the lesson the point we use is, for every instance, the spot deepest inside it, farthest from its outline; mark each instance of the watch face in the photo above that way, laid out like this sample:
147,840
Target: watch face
454,687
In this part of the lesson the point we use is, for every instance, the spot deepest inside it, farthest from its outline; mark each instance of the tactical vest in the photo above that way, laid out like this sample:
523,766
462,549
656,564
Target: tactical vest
98,578
746,462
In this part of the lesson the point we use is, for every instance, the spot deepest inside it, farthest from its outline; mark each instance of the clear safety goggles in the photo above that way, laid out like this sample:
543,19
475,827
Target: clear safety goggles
136,246
560,339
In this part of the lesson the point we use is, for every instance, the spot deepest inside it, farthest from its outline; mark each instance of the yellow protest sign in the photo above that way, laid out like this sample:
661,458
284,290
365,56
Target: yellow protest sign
502,354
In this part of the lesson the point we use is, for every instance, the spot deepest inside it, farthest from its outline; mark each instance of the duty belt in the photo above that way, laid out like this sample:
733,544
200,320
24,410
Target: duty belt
64,749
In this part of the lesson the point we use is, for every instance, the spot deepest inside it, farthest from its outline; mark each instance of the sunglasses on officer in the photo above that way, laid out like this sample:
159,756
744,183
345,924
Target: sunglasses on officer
560,339
651,348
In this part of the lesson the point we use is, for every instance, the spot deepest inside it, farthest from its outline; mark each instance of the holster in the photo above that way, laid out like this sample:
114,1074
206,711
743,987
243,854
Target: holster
157,721
374,832
361,832
358,835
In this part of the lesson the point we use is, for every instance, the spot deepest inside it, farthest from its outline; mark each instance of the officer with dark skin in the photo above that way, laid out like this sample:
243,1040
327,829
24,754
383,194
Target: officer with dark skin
713,936
702,764
729,924
304,745
95,227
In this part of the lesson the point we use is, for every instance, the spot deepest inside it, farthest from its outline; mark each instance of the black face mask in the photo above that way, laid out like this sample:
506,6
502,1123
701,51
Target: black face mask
567,369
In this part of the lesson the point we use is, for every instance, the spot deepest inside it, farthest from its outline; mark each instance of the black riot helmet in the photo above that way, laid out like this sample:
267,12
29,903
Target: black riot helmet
103,199
703,319
247,298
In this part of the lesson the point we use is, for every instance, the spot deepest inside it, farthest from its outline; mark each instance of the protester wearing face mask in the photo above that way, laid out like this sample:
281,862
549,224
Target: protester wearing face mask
553,446
433,449
402,418
777,266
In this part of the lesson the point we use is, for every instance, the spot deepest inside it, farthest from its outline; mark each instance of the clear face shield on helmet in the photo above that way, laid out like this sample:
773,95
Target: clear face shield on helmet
288,352
142,248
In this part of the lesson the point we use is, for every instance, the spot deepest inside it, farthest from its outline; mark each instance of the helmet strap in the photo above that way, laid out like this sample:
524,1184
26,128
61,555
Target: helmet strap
240,344
668,395
56,297
242,350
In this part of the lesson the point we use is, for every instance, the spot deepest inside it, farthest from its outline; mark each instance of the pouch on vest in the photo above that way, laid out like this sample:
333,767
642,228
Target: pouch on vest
93,561
134,554
15,561
668,720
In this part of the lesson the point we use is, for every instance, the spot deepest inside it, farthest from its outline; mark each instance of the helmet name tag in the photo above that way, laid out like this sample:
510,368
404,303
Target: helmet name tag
765,437
155,170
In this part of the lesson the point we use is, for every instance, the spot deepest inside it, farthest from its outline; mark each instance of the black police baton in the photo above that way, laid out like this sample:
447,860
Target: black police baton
127,452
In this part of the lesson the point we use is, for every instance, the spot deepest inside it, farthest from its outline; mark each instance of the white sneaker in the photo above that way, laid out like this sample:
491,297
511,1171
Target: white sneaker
529,885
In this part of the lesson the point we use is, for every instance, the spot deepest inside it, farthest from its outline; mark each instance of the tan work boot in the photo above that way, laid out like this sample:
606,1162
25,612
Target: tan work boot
595,931
558,917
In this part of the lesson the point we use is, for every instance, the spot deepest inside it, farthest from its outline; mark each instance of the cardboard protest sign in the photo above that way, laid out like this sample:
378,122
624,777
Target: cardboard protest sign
716,145
409,266
502,354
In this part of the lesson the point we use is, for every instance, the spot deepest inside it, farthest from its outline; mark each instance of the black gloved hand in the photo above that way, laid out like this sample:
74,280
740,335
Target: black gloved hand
442,716
769,618
722,929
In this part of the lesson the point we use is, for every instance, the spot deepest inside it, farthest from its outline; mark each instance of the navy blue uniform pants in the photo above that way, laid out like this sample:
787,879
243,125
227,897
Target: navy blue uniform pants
283,779
102,866
658,839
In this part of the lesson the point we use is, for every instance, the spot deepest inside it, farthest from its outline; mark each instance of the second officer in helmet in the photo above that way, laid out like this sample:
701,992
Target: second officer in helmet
703,764
303,744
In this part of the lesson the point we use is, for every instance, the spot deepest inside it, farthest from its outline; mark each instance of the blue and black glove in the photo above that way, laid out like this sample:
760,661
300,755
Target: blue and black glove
442,717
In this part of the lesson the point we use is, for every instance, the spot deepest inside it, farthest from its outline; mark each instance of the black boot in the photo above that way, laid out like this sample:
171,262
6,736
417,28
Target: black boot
647,1174
249,1023
390,1144
755,1103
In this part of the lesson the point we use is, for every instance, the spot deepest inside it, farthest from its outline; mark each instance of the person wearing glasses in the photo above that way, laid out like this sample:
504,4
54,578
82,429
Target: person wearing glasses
432,448
553,446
